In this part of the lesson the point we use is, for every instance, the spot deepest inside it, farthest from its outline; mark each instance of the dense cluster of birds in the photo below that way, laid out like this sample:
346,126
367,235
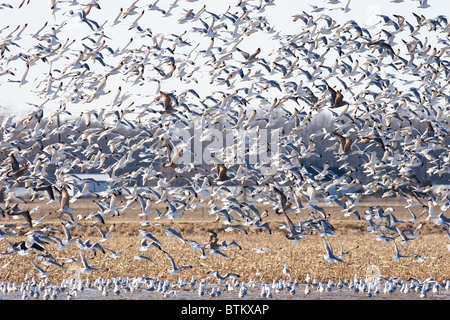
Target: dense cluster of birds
148,288
383,86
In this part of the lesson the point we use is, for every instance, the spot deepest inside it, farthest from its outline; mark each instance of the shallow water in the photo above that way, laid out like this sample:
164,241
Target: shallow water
253,292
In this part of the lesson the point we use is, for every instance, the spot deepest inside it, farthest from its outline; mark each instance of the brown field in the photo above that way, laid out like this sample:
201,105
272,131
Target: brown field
305,257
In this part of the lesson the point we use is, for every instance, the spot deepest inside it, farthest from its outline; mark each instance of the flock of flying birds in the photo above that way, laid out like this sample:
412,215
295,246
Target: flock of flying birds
383,86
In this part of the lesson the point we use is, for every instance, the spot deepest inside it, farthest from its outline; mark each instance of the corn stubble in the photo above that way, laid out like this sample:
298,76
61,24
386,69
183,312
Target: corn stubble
302,258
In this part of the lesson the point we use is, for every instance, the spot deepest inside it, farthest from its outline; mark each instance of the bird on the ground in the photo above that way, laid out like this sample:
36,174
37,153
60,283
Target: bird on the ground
286,270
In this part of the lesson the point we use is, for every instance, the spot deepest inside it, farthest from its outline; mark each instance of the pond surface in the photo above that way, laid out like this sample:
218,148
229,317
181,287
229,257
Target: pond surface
156,289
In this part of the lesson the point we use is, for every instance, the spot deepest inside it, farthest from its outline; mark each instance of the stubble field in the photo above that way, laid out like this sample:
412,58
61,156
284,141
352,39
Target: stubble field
302,258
